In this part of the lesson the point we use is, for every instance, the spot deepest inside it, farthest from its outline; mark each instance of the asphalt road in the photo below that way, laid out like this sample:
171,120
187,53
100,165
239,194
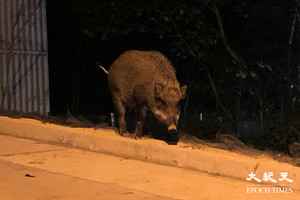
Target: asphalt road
30,170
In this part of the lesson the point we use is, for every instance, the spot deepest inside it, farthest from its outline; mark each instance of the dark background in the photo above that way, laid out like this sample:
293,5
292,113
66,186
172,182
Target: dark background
235,56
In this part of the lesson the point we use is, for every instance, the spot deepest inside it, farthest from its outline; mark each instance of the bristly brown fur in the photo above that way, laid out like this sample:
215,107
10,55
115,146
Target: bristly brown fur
137,79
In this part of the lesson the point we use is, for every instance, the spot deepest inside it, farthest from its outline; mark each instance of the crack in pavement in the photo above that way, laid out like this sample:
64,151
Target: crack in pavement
30,152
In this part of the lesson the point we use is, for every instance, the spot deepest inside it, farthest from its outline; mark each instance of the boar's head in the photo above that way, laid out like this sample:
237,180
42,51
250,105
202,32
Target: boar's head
167,103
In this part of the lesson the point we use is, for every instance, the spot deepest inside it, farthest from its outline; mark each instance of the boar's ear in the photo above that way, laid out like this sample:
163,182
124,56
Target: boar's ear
183,91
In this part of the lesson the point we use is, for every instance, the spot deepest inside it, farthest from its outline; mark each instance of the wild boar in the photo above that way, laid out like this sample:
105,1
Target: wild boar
145,81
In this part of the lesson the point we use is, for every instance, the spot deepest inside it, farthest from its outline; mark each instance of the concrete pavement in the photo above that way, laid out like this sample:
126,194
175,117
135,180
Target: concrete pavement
32,170
26,183
203,158
31,183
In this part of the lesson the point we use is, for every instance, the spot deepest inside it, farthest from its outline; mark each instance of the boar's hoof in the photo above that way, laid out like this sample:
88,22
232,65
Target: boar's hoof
130,135
123,132
138,130
136,136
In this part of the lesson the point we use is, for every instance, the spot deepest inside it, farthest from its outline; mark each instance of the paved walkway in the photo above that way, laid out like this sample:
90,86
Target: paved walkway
33,171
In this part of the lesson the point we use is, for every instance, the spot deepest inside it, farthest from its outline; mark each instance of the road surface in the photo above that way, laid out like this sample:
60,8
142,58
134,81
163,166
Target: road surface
30,170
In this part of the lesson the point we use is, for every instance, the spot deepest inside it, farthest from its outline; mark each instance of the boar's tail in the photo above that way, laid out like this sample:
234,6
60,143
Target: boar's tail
103,68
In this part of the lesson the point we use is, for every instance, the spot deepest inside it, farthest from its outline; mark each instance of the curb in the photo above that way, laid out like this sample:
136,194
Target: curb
208,160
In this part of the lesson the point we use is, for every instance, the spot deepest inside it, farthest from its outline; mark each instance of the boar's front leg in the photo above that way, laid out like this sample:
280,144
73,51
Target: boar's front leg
121,112
141,117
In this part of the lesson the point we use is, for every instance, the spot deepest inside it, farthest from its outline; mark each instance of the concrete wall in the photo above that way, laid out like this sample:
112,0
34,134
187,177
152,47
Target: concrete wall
24,82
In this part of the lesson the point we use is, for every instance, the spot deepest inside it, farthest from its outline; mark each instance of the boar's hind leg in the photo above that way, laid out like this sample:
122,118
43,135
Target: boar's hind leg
141,117
120,109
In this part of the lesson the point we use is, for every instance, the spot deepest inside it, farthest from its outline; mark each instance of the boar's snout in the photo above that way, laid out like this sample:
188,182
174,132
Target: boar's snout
170,122
172,128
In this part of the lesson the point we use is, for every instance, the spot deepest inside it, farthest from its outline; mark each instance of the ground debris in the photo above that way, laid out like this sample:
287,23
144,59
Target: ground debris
29,175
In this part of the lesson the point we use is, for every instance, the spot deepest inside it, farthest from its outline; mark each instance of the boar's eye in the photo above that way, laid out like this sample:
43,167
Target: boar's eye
160,102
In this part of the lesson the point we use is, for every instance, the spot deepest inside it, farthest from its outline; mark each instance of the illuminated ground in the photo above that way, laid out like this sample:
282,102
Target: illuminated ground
31,170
